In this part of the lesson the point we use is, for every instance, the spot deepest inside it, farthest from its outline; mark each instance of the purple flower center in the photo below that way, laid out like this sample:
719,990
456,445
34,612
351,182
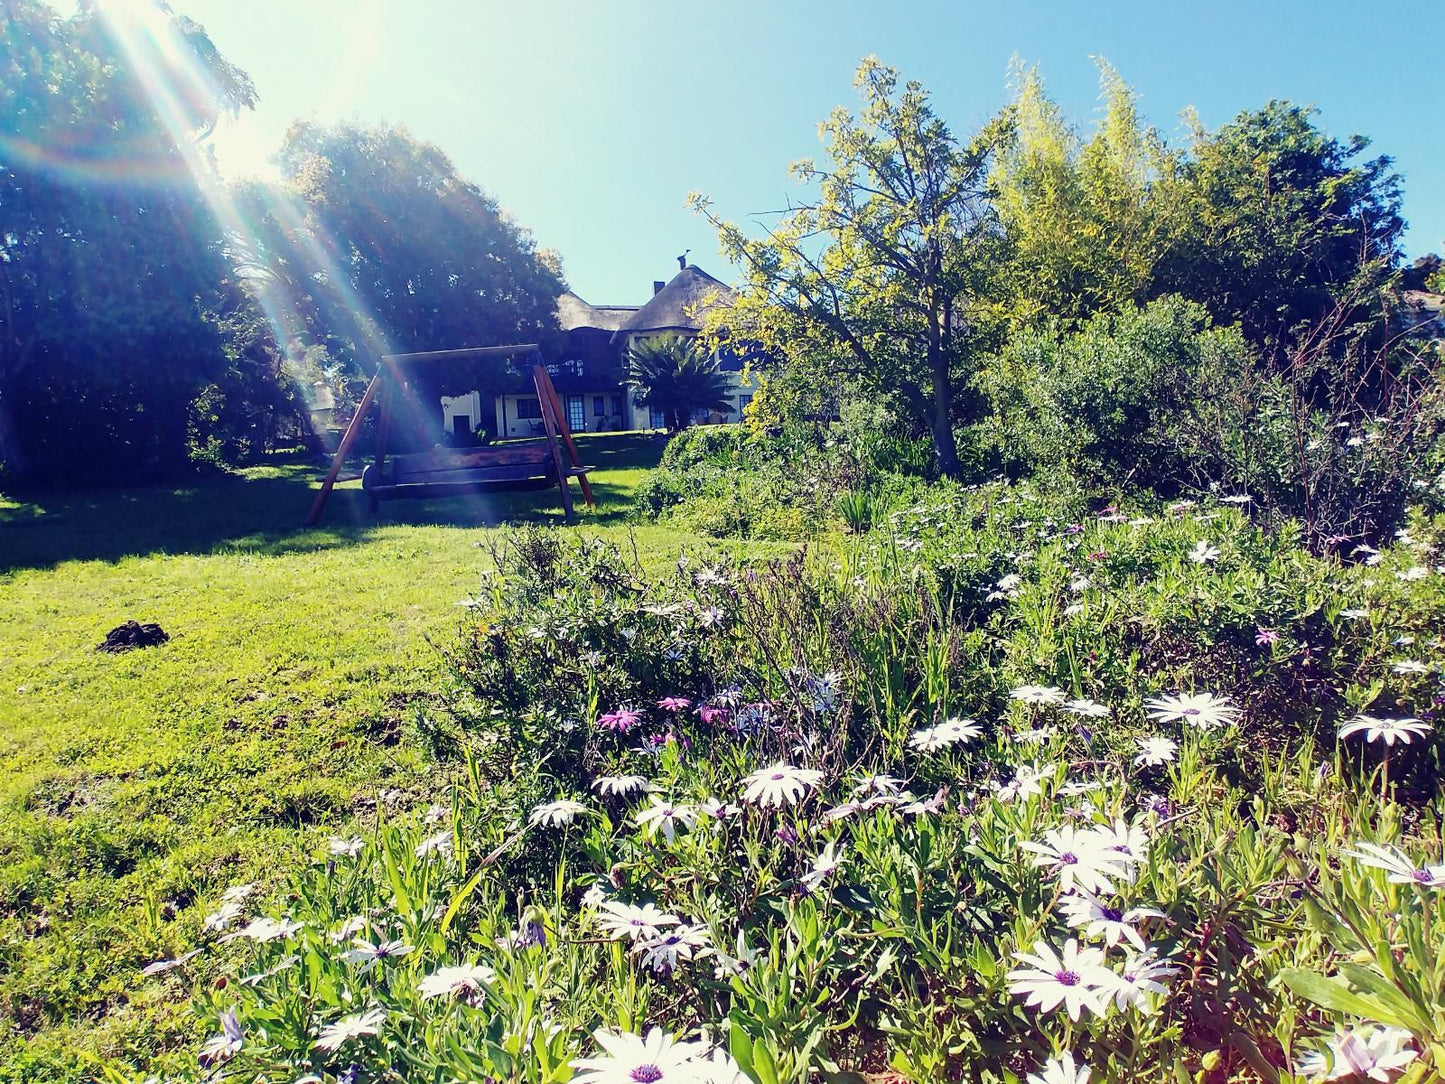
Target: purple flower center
1113,914
776,776
1424,876
1067,978
1068,858
646,1073
1191,711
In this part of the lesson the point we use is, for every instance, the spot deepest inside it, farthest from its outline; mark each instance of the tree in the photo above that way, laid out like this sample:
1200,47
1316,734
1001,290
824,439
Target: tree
110,262
676,375
882,276
1088,222
1286,222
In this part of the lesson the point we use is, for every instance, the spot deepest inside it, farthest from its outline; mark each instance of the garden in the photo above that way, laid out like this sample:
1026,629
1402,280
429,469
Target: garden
1038,683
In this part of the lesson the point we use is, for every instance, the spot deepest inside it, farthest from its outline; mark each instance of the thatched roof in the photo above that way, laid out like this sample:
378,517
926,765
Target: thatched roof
573,312
680,305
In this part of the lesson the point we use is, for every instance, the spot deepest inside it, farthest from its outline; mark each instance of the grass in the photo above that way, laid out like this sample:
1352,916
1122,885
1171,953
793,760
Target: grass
297,691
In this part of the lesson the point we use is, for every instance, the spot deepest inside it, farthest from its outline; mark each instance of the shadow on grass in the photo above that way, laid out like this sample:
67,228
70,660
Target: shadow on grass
260,510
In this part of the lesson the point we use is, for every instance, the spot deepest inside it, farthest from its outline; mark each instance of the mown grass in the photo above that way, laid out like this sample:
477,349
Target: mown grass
298,688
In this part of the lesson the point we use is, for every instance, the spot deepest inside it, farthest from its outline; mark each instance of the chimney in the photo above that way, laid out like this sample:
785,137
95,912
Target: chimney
657,285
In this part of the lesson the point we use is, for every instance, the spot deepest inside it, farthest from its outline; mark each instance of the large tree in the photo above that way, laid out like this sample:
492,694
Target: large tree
111,262
879,275
676,375
1286,222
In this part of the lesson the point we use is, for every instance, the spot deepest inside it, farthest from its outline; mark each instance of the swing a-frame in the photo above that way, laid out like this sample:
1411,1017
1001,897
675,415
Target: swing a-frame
452,472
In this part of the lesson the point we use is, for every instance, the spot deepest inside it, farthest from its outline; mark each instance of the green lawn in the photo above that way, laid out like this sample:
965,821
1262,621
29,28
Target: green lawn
298,687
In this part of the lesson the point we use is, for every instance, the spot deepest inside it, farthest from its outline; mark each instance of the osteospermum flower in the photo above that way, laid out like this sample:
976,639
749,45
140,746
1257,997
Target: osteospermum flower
627,920
1410,667
442,843
622,720
227,1044
1154,752
1401,868
664,816
450,981
824,866
1099,920
779,785
334,1036
620,786
1079,859
1088,709
1027,782
266,929
1388,731
1203,711
370,955
1039,695
1061,1070
1142,977
556,814
669,947
345,848
628,1059
1368,1052
1077,979
674,703
1203,553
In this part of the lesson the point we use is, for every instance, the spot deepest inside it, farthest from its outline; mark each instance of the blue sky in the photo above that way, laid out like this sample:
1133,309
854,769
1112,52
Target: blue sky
591,121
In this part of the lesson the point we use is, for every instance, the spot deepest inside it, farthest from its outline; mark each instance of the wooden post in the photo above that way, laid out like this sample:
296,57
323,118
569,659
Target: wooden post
549,423
544,380
314,516
383,425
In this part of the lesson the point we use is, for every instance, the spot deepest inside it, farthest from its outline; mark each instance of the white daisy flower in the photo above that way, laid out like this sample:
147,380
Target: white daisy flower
1155,752
1203,711
628,1058
266,929
228,1044
1142,977
334,1036
1354,614
443,843
824,866
1097,919
629,920
1088,709
345,848
1078,859
779,785
556,814
1401,868
1410,666
620,786
1077,979
665,951
369,955
1364,1052
1203,553
1387,730
1026,782
1061,1070
451,981
1037,695
663,816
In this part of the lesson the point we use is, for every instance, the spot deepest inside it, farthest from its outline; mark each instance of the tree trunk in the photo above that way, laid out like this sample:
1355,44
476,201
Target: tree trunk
12,466
940,414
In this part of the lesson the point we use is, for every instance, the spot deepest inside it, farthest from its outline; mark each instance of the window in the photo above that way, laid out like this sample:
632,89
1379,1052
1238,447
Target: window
656,419
700,415
617,405
576,413
599,406
743,401
529,408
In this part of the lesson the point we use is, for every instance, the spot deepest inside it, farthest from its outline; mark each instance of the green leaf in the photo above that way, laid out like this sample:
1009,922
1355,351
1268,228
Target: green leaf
459,899
765,1070
1335,993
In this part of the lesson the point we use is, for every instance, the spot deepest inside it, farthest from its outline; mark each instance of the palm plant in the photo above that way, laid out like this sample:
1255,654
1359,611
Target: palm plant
676,375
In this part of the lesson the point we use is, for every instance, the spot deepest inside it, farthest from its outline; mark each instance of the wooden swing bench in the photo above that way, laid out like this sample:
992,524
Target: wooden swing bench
447,472
454,472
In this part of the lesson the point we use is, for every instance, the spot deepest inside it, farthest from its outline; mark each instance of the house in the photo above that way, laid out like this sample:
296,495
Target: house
590,367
